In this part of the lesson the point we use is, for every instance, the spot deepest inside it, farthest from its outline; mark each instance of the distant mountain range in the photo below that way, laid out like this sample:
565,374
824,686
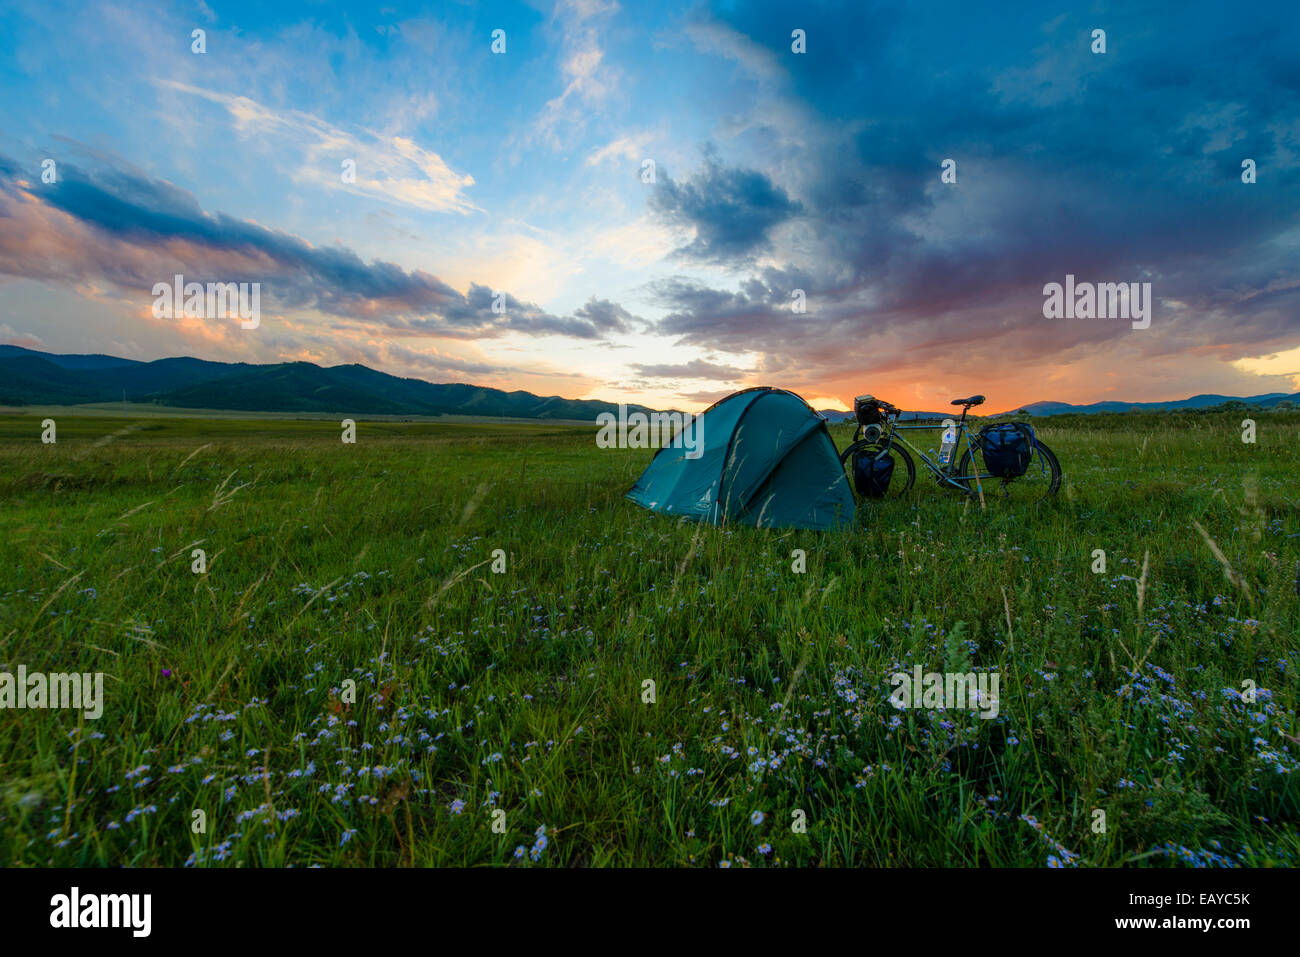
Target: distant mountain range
1204,401
28,377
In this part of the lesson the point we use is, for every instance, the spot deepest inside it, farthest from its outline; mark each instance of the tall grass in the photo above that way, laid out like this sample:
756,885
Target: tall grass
523,691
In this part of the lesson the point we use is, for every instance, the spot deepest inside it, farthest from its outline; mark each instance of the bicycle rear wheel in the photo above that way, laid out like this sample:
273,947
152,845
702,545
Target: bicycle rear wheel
1040,482
904,474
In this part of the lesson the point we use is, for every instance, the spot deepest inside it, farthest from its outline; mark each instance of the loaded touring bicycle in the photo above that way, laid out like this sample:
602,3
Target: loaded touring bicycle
1003,461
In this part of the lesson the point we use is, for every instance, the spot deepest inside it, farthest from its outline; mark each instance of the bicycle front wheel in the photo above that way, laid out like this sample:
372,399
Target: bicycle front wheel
1040,482
901,479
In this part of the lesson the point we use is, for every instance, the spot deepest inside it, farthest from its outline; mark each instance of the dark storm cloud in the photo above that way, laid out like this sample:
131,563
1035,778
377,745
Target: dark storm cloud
699,313
126,229
1124,166
732,211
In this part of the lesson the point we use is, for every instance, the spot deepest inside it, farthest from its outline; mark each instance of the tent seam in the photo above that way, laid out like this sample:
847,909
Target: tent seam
731,440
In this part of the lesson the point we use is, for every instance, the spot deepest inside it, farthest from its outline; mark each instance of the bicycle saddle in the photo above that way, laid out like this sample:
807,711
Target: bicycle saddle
973,400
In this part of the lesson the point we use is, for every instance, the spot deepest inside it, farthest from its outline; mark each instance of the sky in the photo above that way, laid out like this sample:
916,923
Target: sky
664,203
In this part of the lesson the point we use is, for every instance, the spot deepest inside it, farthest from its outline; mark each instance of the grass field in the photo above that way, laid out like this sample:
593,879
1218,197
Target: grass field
480,690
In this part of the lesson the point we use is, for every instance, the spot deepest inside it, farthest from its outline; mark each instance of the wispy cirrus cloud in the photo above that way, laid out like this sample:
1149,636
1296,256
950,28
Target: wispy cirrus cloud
588,77
388,167
629,147
719,39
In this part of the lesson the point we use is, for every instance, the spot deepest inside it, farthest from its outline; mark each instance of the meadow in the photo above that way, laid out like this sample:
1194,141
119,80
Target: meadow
358,677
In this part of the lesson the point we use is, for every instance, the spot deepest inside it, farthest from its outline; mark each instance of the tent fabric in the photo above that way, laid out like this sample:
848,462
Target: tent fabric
767,460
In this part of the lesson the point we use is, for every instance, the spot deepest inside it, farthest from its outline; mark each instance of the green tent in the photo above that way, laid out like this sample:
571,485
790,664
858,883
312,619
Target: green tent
765,458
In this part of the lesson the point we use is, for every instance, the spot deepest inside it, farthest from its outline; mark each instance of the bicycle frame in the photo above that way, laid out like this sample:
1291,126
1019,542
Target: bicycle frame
945,476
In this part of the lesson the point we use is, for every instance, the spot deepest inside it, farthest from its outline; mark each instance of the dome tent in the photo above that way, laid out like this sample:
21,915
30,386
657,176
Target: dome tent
767,460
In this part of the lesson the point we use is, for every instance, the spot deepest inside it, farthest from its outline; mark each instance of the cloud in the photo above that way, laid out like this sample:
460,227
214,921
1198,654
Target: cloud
116,227
588,78
629,147
13,337
388,167
731,211
902,272
607,316
753,316
719,39
1286,363
695,369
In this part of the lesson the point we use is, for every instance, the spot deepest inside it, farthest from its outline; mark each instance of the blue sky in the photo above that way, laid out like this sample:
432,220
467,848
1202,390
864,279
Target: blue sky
522,172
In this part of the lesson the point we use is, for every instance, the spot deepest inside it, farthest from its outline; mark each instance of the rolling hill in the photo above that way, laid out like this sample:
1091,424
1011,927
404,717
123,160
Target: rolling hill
28,377
1204,401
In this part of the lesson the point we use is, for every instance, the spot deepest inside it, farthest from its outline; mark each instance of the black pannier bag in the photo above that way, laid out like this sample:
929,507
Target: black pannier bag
1007,448
872,471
